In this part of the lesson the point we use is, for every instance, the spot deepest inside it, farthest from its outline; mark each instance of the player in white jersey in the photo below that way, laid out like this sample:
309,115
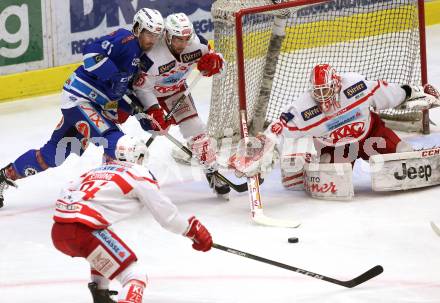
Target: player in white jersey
163,81
336,112
110,193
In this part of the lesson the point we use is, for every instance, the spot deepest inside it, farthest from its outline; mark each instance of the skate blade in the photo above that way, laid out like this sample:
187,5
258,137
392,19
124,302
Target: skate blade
224,196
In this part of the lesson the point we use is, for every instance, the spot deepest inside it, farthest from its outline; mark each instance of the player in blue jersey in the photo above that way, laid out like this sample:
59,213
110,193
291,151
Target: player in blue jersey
162,81
91,102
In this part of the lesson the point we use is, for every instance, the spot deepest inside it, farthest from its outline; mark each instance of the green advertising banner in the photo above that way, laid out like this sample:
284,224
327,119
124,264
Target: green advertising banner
21,31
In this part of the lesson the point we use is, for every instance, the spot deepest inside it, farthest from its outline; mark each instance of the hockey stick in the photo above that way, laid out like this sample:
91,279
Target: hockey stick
435,228
368,275
254,192
237,187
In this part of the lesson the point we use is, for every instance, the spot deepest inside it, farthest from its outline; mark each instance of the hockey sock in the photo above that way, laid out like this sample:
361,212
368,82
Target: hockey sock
102,282
11,173
30,163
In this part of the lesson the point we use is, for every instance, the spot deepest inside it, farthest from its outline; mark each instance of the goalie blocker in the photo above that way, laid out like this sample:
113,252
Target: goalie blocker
402,171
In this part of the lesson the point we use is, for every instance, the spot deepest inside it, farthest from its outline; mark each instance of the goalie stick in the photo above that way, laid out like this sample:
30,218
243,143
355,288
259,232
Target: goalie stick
368,275
237,187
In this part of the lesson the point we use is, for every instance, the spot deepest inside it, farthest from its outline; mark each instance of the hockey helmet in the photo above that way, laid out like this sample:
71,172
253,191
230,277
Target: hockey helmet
131,149
178,25
148,19
325,85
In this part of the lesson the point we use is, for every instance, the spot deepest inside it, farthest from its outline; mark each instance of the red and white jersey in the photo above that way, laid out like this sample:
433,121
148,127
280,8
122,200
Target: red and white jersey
113,192
162,73
350,123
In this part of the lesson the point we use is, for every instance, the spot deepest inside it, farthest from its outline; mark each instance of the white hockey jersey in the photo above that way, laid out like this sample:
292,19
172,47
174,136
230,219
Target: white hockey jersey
113,192
162,73
350,123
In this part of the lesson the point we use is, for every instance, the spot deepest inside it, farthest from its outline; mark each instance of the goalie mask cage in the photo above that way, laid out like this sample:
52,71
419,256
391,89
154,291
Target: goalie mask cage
270,50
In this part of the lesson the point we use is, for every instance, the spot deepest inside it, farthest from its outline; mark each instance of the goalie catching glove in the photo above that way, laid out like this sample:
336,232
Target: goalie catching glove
210,64
198,233
420,97
253,158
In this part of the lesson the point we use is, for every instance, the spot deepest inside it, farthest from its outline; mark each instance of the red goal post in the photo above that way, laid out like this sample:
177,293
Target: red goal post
271,48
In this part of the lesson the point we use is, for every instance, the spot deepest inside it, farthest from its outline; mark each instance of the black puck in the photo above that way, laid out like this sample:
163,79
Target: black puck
293,240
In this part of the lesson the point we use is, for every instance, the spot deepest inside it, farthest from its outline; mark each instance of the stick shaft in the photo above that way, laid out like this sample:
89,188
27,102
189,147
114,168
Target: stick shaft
371,273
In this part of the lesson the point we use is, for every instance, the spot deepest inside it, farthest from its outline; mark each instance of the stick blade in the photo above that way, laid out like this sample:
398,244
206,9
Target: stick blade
243,187
368,275
261,219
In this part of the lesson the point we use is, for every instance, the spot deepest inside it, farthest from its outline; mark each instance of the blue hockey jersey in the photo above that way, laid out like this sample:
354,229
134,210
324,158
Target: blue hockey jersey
108,66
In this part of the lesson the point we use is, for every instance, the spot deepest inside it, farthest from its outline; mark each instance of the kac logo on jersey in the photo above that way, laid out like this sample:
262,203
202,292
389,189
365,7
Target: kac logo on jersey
167,67
311,113
191,56
355,89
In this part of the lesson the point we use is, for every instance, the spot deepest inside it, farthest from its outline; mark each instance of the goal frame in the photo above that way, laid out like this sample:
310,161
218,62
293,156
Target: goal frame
241,76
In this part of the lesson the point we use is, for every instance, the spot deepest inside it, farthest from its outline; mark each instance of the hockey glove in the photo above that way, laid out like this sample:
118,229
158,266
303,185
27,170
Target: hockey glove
153,120
210,64
198,233
253,158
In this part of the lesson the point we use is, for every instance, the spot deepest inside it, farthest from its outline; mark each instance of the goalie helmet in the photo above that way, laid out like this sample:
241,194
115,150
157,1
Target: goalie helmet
325,86
148,19
131,149
178,25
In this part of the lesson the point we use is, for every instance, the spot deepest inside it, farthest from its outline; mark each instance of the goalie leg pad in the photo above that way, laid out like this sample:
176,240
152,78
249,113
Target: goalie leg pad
402,171
292,170
329,181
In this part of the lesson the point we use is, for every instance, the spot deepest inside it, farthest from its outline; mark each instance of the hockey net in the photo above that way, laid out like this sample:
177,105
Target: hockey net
281,43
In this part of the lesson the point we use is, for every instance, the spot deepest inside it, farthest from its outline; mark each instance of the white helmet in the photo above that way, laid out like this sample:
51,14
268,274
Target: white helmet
325,86
178,25
131,149
148,19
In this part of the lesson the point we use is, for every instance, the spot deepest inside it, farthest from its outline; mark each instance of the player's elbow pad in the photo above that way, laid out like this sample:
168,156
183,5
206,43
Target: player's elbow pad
99,65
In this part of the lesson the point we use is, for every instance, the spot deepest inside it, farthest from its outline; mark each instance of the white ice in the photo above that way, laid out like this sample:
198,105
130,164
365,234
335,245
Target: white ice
336,239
